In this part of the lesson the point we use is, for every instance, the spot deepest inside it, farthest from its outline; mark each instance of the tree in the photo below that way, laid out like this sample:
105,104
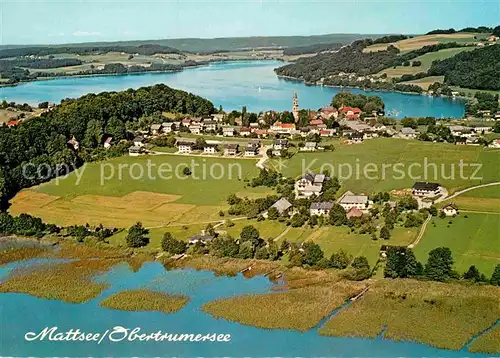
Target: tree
337,215
136,236
312,253
262,253
385,233
93,134
273,213
209,230
439,265
495,277
360,262
115,128
246,250
340,260
250,233
473,274
401,262
171,245
186,171
224,247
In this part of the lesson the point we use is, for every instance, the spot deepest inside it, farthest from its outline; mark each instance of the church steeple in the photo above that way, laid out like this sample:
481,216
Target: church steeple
295,106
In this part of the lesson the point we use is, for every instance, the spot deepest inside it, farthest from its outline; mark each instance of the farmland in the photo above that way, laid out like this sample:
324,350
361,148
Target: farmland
129,197
380,152
425,40
426,61
473,238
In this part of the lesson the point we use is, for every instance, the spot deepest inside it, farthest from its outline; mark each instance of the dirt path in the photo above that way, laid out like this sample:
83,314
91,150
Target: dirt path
282,234
218,222
421,233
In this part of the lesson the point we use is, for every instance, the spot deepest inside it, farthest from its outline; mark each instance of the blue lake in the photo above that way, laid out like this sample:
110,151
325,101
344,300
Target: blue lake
22,313
232,85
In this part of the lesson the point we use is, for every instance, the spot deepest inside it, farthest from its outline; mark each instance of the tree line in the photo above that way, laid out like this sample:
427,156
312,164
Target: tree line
401,263
144,49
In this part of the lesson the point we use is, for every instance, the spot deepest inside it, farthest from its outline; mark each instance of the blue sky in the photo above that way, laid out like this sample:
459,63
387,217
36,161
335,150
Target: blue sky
62,21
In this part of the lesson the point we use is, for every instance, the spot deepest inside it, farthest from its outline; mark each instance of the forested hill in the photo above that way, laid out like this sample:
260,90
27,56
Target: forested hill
201,45
479,69
42,141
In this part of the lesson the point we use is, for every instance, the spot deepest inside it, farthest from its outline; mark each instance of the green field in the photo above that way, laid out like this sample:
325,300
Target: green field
130,197
474,240
383,151
426,61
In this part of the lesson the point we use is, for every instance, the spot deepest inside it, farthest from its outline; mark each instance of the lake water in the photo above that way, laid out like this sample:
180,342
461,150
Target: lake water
232,85
21,313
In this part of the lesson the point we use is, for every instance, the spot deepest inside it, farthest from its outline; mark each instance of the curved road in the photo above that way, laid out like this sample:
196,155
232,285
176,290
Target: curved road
465,191
424,225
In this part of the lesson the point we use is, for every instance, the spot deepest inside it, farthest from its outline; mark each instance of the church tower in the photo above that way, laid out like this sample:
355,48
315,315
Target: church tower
295,106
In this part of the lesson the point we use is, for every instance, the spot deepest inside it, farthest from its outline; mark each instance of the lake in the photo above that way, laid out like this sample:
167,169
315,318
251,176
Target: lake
22,313
231,85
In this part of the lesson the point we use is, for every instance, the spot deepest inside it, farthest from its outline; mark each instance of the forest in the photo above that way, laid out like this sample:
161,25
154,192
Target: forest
36,149
479,69
350,59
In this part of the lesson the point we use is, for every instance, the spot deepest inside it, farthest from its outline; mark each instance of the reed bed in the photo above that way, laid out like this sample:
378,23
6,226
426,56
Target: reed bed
443,315
487,343
300,309
70,281
145,300
21,254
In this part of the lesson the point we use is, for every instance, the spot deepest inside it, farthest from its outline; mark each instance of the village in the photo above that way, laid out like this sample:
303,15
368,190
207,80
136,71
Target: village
267,138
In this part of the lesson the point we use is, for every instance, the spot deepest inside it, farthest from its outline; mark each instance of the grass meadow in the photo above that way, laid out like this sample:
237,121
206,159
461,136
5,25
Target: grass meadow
426,61
383,151
474,240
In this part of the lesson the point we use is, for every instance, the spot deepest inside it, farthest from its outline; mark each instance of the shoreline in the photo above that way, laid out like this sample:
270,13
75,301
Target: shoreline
425,94
201,64
340,316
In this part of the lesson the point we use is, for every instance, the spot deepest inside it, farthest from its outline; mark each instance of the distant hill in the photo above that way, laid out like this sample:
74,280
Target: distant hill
200,45
478,69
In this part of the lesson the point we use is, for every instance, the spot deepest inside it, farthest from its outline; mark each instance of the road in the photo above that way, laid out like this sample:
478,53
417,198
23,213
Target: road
460,192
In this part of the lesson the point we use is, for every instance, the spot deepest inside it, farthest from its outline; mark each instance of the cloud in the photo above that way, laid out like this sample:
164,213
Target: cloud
86,33
127,33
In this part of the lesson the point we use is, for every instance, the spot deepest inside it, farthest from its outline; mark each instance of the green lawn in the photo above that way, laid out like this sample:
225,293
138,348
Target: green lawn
474,240
388,152
201,188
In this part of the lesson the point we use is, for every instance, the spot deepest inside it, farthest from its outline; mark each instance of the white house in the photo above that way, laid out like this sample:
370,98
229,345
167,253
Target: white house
310,184
210,148
309,147
408,133
195,128
450,210
426,189
185,146
251,150
321,209
167,127
139,141
107,142
349,200
156,129
228,131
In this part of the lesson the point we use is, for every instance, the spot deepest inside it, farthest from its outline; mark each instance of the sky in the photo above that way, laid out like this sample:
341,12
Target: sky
69,21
